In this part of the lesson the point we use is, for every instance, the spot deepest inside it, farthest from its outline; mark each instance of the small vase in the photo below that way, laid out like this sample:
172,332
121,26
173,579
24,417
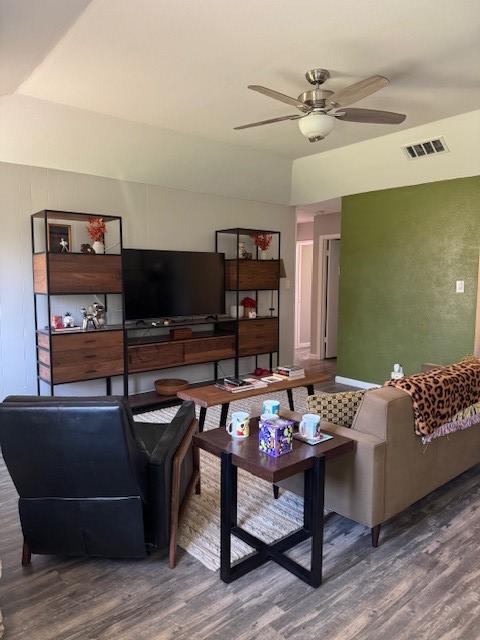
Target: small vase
236,312
263,254
98,247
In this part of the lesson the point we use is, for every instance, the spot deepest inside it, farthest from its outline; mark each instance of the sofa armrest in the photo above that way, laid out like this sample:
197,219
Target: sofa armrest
354,483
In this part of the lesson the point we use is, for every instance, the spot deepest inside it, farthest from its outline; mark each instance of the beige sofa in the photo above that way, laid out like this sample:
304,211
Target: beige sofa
390,468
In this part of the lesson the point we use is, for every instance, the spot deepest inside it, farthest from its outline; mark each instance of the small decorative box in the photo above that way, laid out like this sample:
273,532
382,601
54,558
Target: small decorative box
275,436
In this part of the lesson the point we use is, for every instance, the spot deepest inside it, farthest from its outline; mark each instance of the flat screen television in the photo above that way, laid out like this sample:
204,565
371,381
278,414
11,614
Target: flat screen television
167,284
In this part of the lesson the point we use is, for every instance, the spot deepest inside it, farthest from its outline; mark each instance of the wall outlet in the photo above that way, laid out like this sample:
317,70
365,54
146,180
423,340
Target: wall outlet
460,286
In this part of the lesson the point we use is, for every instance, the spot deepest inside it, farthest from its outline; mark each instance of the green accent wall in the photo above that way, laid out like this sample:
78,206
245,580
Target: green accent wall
402,251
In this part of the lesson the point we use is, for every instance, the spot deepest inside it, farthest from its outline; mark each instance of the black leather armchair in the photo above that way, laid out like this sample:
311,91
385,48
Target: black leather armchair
91,481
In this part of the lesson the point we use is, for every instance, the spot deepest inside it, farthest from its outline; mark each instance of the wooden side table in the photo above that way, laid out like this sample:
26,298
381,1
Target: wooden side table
245,454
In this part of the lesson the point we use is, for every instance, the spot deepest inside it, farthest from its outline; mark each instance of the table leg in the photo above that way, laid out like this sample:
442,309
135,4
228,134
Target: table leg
291,406
310,389
201,418
224,414
316,523
226,514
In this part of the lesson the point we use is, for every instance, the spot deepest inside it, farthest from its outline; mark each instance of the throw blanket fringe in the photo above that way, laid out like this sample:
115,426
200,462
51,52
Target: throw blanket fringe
452,427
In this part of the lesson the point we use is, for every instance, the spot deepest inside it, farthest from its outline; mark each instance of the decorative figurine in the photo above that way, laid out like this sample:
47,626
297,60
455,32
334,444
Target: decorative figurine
99,313
64,244
397,372
87,248
94,314
68,321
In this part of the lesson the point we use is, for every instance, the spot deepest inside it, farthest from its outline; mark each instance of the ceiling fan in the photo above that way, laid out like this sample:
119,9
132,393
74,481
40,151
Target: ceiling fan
320,107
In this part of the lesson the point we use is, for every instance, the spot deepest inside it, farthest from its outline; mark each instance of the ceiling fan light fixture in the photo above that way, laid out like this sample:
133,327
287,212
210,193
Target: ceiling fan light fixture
316,125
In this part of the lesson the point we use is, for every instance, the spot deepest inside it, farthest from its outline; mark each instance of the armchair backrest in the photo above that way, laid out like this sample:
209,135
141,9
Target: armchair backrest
79,473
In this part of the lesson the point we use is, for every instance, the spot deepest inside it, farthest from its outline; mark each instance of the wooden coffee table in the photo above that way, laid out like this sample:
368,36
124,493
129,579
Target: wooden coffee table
245,454
211,396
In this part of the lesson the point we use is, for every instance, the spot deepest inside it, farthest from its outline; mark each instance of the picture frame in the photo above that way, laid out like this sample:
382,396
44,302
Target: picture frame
56,232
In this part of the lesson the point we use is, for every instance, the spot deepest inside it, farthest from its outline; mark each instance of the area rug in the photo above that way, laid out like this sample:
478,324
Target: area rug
258,512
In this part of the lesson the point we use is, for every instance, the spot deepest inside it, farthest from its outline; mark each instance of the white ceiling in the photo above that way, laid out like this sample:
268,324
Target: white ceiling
184,64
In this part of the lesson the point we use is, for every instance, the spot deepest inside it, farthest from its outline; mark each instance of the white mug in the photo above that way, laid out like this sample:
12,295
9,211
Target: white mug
308,427
239,427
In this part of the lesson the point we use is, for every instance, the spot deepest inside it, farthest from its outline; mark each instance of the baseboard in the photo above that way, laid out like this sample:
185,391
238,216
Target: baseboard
350,382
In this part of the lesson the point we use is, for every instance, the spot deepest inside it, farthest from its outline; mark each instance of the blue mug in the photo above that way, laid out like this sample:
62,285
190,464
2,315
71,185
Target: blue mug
271,407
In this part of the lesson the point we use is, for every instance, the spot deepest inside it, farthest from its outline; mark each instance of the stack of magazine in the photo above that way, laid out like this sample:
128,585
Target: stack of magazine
238,385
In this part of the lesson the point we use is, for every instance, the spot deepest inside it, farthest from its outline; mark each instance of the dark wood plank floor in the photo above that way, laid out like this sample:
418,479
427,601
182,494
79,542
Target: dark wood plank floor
423,582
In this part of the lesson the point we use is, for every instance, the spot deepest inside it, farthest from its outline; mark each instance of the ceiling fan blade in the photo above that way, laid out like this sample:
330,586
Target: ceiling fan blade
278,96
358,90
259,124
372,116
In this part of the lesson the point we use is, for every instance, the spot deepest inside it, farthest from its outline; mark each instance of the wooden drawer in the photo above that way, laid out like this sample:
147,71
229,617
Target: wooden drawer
209,349
148,357
83,356
88,369
99,340
258,336
253,274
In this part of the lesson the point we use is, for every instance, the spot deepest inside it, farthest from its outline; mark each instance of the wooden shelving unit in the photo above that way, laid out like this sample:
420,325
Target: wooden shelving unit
259,336
74,355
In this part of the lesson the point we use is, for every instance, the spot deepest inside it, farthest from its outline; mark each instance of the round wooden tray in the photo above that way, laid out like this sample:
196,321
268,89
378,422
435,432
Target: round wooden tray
170,386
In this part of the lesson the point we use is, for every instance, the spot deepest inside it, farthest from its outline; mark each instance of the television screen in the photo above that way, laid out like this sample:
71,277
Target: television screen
160,284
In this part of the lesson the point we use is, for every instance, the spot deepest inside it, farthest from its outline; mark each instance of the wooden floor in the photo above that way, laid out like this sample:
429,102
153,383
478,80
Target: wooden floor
423,582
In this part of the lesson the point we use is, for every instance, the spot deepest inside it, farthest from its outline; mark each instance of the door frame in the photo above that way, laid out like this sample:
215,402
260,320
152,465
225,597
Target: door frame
322,291
298,262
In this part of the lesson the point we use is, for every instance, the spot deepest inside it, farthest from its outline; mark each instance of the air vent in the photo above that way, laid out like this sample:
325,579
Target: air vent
424,149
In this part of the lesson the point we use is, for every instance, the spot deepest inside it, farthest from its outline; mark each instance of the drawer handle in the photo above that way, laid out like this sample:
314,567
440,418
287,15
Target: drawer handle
91,355
91,371
90,341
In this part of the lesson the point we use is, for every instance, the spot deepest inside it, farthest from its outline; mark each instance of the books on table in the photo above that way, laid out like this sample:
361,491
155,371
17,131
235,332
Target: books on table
290,372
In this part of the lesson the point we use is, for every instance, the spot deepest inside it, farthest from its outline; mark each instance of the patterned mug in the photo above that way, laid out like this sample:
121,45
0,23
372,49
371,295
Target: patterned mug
239,427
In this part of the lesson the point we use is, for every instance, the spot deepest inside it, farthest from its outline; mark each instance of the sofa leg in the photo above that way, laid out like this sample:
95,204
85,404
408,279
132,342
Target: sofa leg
375,531
26,555
276,491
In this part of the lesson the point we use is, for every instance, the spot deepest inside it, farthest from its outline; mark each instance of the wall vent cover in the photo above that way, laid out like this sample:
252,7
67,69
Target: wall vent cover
423,149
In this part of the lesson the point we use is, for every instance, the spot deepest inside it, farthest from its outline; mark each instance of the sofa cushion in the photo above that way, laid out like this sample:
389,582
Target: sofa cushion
339,408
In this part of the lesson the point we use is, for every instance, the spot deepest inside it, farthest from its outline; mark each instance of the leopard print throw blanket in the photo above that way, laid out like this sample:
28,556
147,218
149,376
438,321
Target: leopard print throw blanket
444,400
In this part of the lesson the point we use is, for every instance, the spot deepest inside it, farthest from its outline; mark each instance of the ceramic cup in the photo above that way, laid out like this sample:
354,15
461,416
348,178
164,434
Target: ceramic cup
239,427
271,406
309,426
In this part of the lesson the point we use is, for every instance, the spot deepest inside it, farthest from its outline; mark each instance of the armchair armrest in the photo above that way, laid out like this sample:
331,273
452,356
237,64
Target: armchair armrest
173,471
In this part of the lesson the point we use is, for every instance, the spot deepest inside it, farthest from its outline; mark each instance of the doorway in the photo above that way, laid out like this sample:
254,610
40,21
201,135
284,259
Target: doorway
303,288
329,280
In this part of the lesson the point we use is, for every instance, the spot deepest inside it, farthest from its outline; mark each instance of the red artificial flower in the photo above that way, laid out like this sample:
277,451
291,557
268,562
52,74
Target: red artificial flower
249,303
262,240
96,229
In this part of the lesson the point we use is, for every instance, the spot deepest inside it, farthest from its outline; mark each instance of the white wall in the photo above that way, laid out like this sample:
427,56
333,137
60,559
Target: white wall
380,163
305,231
46,134
153,217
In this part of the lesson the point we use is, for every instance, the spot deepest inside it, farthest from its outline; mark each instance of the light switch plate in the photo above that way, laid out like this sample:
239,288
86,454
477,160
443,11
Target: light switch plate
460,286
